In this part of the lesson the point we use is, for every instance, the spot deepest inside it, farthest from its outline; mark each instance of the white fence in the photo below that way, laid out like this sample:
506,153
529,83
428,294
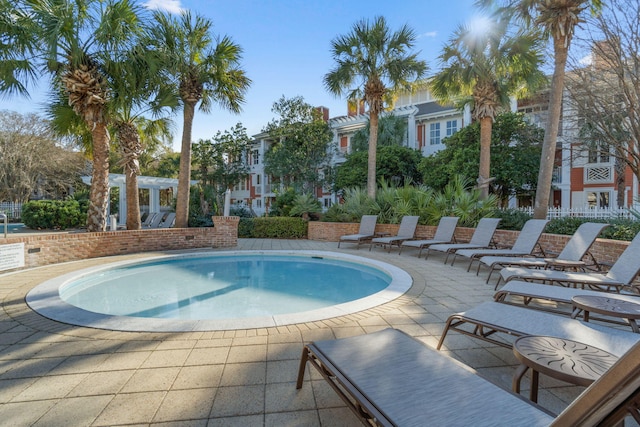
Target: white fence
588,212
11,209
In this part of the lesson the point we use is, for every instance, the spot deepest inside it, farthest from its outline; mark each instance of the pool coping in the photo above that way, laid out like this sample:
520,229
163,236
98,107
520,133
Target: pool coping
45,300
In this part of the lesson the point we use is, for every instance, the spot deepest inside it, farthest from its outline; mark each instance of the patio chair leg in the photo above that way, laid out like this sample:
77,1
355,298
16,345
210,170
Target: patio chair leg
303,366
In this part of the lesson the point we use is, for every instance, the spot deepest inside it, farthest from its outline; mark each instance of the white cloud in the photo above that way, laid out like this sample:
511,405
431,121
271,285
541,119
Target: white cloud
586,60
428,34
171,6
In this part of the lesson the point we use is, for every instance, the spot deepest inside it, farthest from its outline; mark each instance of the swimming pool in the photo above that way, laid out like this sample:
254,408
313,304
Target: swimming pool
219,291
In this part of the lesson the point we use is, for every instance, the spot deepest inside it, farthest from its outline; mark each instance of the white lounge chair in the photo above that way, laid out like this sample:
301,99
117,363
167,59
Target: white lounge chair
365,233
571,255
406,231
481,238
621,274
388,378
525,244
444,234
489,320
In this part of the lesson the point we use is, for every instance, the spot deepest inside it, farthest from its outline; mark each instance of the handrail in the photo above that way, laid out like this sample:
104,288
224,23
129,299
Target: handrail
4,217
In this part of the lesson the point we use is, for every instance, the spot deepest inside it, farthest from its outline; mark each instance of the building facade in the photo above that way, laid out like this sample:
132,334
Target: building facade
583,177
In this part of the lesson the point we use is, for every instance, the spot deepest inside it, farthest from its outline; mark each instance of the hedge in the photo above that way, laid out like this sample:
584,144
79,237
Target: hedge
273,228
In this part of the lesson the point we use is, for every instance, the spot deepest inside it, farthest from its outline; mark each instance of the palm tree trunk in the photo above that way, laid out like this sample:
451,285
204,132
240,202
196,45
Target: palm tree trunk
133,201
547,159
371,161
486,125
99,193
184,177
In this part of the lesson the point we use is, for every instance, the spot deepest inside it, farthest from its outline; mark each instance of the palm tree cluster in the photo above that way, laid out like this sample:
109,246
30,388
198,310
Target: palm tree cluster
115,70
482,69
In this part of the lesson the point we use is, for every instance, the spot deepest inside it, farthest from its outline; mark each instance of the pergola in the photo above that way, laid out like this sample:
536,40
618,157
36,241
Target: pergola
152,183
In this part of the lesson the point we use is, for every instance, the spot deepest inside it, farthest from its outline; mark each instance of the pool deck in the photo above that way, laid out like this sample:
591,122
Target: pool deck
53,374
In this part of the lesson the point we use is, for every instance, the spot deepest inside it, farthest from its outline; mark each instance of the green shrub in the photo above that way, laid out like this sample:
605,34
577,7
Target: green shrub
511,219
279,228
245,228
619,229
54,214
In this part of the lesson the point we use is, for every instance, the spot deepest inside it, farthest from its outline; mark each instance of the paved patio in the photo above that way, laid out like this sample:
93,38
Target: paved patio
52,374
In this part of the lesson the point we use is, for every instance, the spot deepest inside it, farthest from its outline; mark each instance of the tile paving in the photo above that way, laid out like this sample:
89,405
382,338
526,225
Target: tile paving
53,374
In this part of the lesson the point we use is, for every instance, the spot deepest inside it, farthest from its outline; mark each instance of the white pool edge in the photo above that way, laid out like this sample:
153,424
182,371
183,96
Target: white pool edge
45,299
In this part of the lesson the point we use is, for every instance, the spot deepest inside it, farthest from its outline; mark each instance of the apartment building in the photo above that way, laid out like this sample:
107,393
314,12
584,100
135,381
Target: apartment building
582,177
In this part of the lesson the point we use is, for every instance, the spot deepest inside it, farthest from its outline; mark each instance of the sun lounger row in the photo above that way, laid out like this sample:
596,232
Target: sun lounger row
390,379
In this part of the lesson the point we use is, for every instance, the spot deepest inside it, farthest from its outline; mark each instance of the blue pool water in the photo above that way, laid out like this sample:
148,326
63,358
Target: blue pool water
214,287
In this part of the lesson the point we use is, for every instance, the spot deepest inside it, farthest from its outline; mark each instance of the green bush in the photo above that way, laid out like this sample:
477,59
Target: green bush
245,228
511,219
275,228
619,229
54,214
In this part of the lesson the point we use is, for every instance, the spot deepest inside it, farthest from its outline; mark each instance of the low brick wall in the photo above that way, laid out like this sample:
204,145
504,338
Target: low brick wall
605,251
48,249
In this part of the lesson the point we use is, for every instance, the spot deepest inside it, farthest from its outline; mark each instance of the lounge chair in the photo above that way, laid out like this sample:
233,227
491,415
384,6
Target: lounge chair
481,239
150,217
406,231
168,221
157,219
571,255
490,319
621,274
444,234
388,378
523,293
524,245
365,233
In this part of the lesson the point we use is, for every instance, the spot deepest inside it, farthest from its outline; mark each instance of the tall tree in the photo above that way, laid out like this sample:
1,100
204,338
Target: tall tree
392,130
74,41
33,159
606,92
221,162
558,19
204,70
484,67
301,147
515,153
373,63
136,94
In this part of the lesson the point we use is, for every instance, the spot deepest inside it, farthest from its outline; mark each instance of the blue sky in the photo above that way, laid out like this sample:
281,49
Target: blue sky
286,47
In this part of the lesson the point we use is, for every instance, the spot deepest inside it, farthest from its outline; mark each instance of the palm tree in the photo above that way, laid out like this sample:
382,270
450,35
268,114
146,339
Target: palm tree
136,93
372,64
558,19
204,71
484,69
74,41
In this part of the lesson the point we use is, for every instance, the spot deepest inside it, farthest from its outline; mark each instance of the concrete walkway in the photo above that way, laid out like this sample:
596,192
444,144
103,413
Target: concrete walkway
52,374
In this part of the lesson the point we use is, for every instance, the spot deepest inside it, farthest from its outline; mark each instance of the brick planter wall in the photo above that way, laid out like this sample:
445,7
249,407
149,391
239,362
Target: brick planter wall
606,251
62,247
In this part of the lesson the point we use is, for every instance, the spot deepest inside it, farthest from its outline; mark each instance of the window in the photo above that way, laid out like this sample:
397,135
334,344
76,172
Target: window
255,155
598,199
434,133
258,203
452,127
598,153
257,179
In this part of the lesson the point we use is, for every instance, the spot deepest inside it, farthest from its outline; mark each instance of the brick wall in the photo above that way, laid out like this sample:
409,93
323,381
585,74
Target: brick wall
62,247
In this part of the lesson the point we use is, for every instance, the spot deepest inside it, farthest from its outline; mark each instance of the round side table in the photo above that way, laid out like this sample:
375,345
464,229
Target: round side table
559,358
630,311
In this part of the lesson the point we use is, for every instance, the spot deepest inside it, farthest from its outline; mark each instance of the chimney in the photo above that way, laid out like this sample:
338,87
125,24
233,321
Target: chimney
324,111
355,108
604,54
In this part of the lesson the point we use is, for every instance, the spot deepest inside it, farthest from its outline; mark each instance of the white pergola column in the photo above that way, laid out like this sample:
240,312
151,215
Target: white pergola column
122,198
